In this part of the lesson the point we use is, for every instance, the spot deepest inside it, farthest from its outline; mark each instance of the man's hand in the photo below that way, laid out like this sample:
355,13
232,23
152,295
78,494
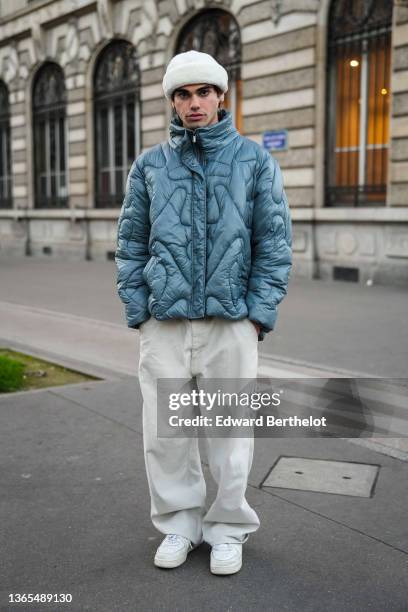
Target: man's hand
257,327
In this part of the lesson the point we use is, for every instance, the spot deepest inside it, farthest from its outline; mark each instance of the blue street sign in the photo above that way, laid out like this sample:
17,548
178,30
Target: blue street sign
275,140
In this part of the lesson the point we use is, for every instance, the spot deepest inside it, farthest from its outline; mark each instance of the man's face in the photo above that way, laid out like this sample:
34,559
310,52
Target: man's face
197,105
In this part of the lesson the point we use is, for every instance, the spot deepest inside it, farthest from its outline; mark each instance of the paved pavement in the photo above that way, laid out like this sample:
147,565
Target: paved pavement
75,506
339,325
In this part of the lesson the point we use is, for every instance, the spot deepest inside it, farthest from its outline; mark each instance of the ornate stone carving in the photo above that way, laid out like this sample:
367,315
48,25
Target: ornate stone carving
150,13
117,69
350,17
72,45
37,35
105,18
145,35
217,33
49,89
12,64
276,11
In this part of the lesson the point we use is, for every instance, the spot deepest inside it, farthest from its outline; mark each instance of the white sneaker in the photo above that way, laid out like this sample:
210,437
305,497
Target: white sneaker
173,551
226,558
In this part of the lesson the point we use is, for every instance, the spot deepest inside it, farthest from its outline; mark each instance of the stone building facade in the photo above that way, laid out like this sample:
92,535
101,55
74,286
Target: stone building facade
325,88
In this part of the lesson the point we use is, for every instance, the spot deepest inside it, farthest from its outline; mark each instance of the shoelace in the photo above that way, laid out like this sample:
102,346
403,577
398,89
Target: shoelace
173,538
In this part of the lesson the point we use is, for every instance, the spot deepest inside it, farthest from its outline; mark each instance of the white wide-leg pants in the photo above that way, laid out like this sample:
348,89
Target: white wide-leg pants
201,348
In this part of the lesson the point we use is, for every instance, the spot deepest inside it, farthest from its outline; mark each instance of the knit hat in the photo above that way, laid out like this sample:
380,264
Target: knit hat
193,67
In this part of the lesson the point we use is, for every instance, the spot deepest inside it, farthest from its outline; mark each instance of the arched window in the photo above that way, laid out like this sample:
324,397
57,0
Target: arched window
117,120
50,141
216,32
358,102
5,153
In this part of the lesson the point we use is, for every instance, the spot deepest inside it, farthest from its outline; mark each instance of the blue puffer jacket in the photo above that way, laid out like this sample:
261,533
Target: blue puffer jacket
204,229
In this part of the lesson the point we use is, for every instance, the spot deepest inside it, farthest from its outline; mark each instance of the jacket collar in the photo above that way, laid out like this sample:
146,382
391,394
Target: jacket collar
209,138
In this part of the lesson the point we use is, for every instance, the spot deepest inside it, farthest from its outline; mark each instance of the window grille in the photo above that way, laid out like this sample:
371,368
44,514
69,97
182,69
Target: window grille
116,120
50,138
358,102
5,150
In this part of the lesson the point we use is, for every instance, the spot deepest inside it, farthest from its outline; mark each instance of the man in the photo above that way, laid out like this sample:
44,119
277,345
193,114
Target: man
203,257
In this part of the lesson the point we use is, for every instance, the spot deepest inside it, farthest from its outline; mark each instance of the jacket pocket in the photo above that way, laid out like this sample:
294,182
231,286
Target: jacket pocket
149,267
155,276
238,277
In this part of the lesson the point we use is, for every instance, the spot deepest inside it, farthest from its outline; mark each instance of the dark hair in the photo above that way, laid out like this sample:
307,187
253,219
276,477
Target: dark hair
217,89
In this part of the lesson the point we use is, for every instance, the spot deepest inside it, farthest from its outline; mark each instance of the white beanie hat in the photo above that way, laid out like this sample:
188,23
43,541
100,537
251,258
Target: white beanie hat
194,67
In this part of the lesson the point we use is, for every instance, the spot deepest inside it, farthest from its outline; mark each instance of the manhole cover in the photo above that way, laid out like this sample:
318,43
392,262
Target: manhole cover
324,476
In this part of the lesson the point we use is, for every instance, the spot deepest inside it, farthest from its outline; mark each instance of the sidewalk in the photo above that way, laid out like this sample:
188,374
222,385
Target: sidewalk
75,519
76,504
339,325
70,311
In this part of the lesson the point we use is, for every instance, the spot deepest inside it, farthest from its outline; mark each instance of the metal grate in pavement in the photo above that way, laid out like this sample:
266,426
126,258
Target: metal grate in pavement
323,476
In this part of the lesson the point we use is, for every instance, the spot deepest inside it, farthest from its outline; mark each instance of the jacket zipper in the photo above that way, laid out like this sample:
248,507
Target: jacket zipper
202,159
192,240
205,234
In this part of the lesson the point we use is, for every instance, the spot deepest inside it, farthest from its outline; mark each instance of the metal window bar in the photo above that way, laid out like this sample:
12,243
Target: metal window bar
48,197
111,151
384,136
124,144
5,149
356,173
363,115
233,101
114,196
2,165
5,169
64,190
98,140
47,159
375,122
384,110
138,144
350,81
102,146
57,158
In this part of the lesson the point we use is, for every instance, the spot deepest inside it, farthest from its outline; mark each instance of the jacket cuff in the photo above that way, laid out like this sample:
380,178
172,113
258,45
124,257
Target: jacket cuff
266,317
135,325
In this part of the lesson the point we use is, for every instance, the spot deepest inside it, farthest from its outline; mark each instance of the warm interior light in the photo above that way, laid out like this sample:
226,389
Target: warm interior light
384,91
353,63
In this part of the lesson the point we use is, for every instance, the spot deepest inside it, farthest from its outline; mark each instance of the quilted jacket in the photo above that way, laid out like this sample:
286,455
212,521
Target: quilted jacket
204,229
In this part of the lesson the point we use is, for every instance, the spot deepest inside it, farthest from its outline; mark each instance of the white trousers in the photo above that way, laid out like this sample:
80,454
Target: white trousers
202,348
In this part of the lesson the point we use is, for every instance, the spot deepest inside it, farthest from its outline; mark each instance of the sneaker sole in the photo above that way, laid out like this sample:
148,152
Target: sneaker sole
225,570
171,563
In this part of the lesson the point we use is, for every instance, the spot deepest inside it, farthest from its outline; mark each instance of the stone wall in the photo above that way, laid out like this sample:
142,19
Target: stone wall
283,71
